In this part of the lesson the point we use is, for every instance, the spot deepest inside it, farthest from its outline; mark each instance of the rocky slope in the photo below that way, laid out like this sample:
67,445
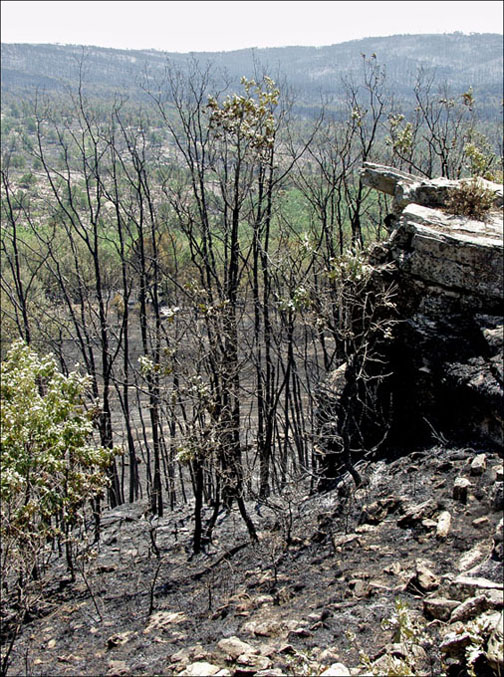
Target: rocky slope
405,570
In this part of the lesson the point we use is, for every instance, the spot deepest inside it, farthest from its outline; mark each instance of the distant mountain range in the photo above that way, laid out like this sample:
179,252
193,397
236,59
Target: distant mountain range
456,59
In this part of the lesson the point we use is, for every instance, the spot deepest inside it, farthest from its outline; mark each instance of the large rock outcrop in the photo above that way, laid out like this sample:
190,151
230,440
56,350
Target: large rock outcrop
445,360
447,356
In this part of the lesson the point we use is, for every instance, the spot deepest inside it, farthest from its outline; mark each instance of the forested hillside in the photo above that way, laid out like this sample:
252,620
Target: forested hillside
458,60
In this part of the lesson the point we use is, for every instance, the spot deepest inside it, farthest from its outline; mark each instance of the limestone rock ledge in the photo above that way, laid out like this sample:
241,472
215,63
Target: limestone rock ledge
447,355
460,254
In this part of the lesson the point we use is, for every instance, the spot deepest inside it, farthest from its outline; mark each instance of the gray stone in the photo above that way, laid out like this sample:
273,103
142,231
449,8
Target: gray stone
439,607
443,525
423,580
473,557
265,628
416,513
480,522
407,188
460,489
412,656
469,609
452,251
254,662
234,647
455,643
478,465
499,531
473,584
495,598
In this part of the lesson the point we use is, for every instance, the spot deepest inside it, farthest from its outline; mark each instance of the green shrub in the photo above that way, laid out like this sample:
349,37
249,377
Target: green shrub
471,199
50,466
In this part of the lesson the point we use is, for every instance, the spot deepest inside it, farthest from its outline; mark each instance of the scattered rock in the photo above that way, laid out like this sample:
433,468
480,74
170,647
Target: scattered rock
376,512
429,524
455,643
393,569
188,653
266,628
495,599
469,609
439,607
161,620
234,647
416,513
117,668
479,464
401,658
119,638
480,522
499,532
443,525
460,489
470,584
338,541
253,662
299,632
473,557
423,580
329,655
499,472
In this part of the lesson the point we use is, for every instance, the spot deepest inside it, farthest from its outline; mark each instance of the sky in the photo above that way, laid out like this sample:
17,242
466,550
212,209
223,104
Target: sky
194,26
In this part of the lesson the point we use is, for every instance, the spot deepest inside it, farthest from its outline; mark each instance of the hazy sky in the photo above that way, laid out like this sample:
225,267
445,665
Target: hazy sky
223,26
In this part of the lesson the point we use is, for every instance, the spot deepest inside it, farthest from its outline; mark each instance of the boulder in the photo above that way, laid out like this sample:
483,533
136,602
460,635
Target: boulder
439,371
235,647
446,356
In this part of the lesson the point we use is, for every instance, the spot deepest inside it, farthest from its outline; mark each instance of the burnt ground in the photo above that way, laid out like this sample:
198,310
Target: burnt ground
303,606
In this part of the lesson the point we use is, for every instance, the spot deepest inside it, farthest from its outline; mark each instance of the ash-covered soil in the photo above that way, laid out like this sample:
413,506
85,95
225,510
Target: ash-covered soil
321,586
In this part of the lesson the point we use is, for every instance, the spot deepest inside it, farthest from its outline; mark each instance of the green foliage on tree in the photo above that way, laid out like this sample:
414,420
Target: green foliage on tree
50,465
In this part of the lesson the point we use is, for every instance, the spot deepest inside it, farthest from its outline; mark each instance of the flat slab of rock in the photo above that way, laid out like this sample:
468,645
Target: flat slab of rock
452,251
